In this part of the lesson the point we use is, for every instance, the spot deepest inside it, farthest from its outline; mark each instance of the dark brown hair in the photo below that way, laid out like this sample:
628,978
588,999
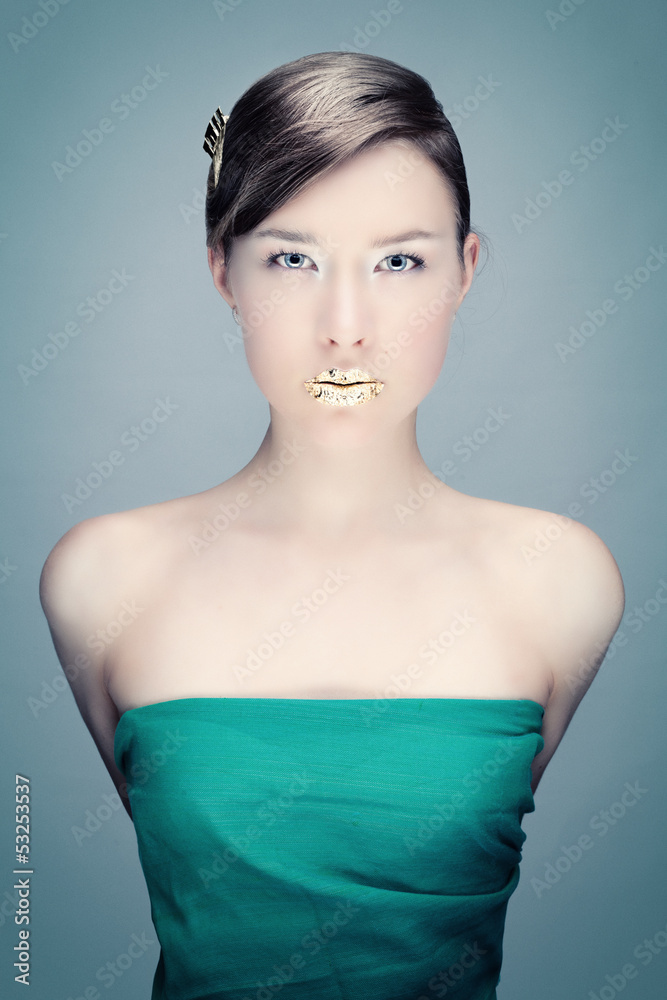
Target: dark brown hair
306,117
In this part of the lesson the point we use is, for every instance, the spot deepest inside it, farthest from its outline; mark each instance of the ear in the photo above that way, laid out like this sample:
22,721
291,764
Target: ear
471,259
218,269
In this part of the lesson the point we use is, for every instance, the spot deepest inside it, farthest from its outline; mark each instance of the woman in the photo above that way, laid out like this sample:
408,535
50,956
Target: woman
338,680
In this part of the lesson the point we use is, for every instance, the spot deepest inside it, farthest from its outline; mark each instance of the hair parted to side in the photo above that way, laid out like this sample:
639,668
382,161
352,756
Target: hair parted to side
310,115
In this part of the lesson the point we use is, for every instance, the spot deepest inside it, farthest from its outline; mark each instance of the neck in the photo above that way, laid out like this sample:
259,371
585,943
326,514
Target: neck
335,492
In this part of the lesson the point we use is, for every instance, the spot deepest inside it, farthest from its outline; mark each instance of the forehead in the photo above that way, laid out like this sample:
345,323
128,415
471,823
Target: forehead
389,188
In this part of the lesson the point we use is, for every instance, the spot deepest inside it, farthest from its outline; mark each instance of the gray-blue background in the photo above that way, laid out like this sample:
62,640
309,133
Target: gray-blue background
133,205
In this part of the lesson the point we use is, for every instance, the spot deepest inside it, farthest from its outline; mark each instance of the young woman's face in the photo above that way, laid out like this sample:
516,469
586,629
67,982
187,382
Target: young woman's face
340,278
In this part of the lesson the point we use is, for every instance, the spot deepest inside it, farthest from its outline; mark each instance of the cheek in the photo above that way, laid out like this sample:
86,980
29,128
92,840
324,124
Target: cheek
425,313
414,367
431,356
271,324
274,358
264,358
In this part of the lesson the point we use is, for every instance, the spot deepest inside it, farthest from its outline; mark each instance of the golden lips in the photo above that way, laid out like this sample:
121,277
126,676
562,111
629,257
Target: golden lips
344,388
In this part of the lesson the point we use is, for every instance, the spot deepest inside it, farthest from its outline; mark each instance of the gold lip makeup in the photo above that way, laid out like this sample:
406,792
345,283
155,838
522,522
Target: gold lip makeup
344,388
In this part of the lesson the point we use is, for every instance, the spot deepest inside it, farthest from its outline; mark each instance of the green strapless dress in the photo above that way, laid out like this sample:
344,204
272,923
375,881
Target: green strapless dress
329,849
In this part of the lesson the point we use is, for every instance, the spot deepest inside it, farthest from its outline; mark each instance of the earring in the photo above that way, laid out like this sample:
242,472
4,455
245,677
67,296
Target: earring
235,314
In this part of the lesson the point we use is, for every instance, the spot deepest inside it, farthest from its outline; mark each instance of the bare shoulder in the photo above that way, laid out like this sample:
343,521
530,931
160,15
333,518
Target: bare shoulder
82,587
560,570
567,595
573,587
103,560
84,572
77,565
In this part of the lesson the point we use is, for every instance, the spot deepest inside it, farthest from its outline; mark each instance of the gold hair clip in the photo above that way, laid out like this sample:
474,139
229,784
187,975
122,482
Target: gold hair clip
215,136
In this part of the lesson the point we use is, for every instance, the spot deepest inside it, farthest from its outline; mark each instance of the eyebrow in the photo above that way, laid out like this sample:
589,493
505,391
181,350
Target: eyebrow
296,236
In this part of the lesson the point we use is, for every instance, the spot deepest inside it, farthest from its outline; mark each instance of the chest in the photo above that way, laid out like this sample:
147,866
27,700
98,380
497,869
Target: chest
267,621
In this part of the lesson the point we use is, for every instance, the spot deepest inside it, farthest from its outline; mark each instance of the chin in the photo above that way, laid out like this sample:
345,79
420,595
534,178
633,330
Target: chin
349,427
330,426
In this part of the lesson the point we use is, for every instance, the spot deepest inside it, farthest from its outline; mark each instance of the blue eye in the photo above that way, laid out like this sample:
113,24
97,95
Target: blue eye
293,266
285,253
418,261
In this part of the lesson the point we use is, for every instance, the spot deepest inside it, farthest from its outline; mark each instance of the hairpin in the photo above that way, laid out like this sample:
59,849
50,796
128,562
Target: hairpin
215,136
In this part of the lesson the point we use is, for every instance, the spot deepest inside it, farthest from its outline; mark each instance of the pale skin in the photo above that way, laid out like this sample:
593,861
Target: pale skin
333,480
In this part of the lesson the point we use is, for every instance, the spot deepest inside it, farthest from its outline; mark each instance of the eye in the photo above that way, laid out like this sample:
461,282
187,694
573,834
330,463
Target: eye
290,255
295,259
399,258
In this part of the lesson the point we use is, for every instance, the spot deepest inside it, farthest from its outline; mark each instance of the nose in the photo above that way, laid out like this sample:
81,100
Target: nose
346,314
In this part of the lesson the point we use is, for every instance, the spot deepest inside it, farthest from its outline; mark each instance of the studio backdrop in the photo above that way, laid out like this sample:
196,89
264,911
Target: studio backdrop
125,384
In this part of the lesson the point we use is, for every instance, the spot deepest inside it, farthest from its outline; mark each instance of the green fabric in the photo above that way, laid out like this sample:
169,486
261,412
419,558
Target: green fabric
329,849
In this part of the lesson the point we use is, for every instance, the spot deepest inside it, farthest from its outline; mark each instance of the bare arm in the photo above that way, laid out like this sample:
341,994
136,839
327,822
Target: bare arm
577,602
74,592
